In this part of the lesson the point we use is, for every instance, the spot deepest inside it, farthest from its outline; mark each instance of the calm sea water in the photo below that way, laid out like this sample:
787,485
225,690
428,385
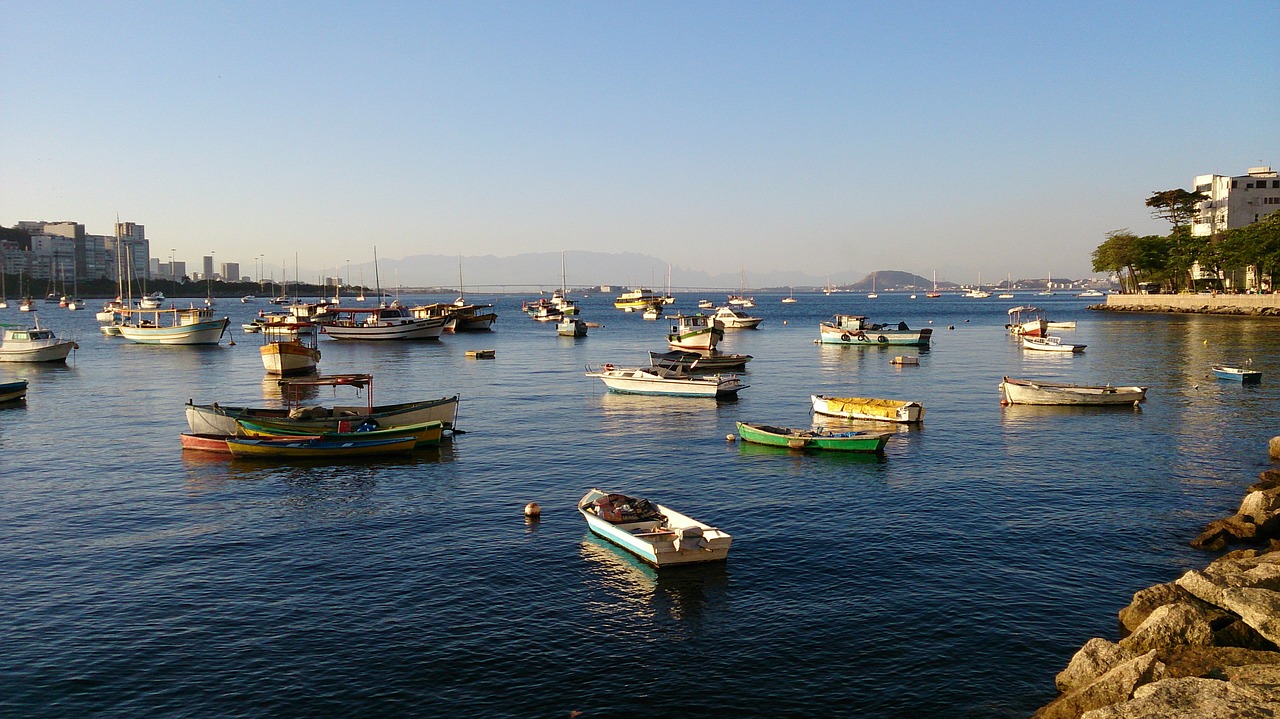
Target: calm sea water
952,578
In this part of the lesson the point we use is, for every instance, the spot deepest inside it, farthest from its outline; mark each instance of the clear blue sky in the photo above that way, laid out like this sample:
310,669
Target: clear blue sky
958,137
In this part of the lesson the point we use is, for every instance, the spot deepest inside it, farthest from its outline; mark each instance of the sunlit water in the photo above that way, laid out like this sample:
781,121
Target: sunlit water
953,577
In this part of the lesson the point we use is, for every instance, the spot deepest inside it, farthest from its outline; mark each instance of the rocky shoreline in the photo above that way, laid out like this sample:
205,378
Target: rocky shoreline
1204,309
1204,646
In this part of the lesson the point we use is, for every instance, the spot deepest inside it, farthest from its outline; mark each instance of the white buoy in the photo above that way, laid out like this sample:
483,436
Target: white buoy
532,509
728,438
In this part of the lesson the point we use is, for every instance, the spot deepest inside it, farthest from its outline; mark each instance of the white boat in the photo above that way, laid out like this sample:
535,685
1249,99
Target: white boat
856,330
655,533
637,299
191,326
1027,321
1090,293
247,299
652,312
705,304
34,344
879,410
289,348
26,305
695,332
1050,343
735,320
667,381
219,419
572,327
1048,287
382,323
790,298
1063,325
1022,391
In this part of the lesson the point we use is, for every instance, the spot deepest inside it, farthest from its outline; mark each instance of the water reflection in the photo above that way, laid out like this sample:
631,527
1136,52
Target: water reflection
839,424
684,595
801,457
624,414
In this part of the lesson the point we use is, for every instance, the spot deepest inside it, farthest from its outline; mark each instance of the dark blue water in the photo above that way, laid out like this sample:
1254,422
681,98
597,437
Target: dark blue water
952,578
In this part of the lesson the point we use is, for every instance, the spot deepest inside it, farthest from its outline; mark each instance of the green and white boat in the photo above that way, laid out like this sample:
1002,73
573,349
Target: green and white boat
856,330
793,438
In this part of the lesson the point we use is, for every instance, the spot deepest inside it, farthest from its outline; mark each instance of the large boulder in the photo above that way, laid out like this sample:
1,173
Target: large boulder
1211,662
1218,533
1193,698
1147,600
1116,686
1259,608
1174,624
1097,657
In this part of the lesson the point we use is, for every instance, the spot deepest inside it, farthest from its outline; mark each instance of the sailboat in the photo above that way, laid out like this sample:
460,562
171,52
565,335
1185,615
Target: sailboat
1048,289
560,298
4,303
872,294
360,297
741,300
791,297
1008,293
934,294
978,292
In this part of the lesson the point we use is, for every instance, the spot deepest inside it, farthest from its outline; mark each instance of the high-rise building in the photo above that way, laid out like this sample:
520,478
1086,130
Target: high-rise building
230,271
1235,201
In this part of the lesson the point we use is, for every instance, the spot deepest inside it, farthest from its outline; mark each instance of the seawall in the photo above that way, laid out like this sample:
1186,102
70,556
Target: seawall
1253,305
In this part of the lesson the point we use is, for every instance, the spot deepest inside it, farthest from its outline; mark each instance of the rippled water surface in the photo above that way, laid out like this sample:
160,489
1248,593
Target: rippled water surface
953,577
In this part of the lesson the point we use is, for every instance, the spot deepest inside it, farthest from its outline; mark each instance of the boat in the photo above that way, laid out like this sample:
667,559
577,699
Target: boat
637,299
699,362
382,324
1050,343
218,419
1027,321
793,438
571,327
191,326
873,294
13,391
735,320
560,298
657,534
695,332
905,360
856,330
26,305
652,312
790,298
289,348
34,344
667,381
705,304
1048,287
247,299
424,433
1039,392
1237,374
878,410
314,448
482,354
934,294
1062,325
205,442
1090,293
471,318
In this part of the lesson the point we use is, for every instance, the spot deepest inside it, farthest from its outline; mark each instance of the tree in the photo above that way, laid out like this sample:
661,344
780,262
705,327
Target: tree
1118,254
1178,206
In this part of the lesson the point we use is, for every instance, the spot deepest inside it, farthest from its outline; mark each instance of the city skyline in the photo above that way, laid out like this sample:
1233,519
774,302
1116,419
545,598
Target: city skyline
815,138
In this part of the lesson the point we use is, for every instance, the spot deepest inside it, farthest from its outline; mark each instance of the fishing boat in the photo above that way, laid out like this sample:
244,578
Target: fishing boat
879,410
424,433
571,327
314,448
1039,392
471,318
705,304
205,442
655,533
218,419
13,391
667,382
289,348
735,320
637,299
191,326
856,330
695,332
1027,321
652,312
793,438
1237,374
34,344
699,362
1050,343
382,324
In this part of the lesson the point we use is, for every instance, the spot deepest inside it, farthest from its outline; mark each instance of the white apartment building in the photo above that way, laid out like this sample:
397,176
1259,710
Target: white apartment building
1236,201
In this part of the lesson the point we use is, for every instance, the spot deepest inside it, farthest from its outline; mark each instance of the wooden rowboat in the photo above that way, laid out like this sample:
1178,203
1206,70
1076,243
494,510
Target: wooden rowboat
793,438
425,433
318,448
13,391
1237,374
879,410
1022,391
659,535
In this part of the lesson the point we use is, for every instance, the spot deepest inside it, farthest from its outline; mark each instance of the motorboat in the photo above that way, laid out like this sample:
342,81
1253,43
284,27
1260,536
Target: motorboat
1050,343
13,391
736,320
857,330
879,410
1027,321
1040,392
699,362
666,381
655,533
1237,374
381,323
190,326
571,327
695,332
289,348
34,344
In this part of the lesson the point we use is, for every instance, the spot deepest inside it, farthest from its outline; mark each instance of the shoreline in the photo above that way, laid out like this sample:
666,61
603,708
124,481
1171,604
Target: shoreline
1206,645
1245,305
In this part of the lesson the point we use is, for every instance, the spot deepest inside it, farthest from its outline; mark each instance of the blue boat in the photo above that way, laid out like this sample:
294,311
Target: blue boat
13,391
1237,374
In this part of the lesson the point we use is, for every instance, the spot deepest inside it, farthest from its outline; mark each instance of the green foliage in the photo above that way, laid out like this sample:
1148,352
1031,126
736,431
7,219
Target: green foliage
1178,206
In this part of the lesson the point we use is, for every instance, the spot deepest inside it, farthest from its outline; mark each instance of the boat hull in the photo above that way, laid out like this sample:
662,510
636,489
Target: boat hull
1015,391
703,339
318,449
1050,344
424,329
13,391
216,419
55,352
205,442
830,335
879,410
657,547
289,358
791,438
206,332
650,382
426,434
1236,374
697,362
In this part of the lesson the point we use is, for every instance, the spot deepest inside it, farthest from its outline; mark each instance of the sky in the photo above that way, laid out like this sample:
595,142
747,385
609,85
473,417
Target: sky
962,138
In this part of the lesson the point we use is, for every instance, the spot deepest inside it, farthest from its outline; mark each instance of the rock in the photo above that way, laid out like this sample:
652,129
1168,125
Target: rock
1268,478
1239,634
1259,608
1217,533
1116,686
1097,657
1273,448
1173,624
1203,586
1145,601
1258,506
1210,662
1192,698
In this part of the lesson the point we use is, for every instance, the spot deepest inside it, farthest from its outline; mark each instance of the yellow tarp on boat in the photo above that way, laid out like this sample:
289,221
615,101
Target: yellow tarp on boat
887,408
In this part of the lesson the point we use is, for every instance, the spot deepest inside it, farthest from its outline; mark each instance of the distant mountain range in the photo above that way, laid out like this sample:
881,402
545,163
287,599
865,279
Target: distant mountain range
536,270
